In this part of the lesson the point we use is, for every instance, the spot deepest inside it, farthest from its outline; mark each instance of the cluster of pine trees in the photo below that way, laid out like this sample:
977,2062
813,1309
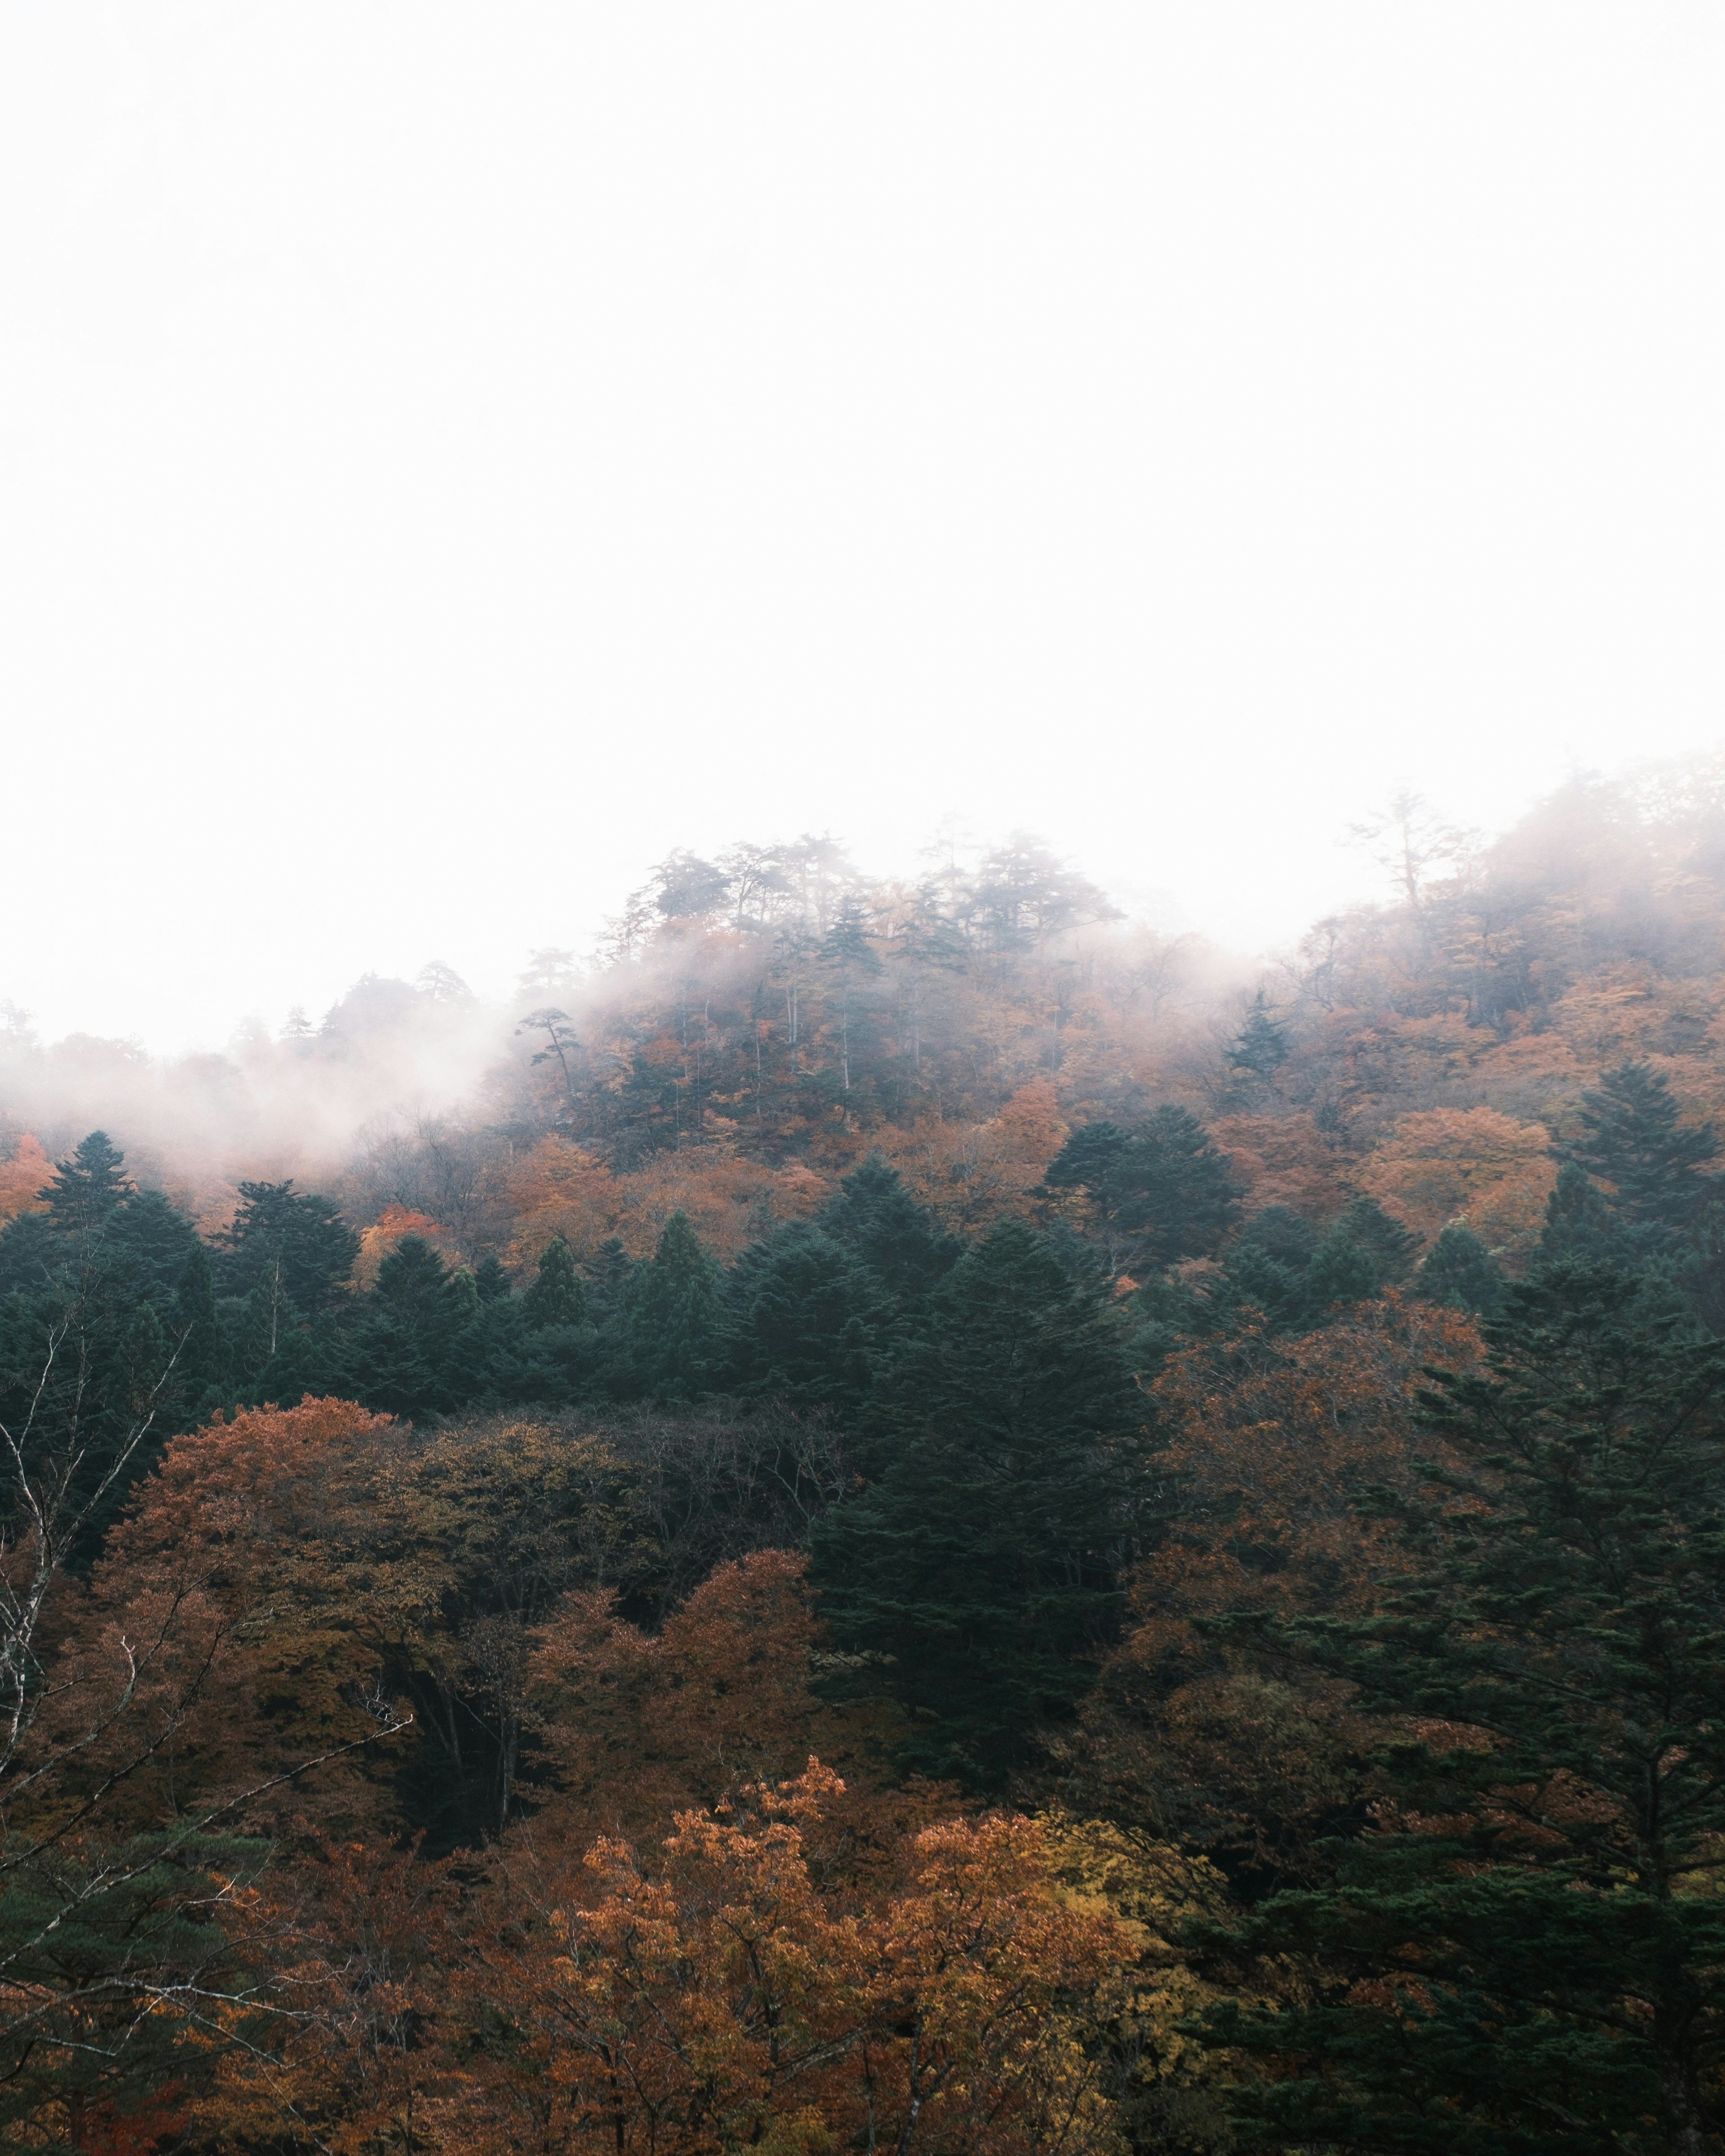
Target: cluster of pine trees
1214,1648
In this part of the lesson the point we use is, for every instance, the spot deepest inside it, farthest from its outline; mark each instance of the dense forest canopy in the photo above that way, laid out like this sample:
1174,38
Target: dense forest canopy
900,1510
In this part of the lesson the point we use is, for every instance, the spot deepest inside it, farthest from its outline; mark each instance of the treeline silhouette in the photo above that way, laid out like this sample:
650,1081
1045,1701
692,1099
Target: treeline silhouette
934,1519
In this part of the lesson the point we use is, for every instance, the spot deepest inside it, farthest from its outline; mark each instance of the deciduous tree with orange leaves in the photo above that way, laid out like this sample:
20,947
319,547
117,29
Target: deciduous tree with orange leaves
710,1996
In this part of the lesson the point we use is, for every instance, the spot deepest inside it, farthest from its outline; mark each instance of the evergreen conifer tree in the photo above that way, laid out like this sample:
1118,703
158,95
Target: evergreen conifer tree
1635,1142
1261,1046
296,1235
401,1350
1341,1270
1281,1234
1253,1281
1525,1954
1391,1247
84,1193
154,1240
877,1220
850,960
98,1935
675,1318
1458,1270
1265,1271
1163,1194
608,1289
556,1297
807,1320
267,1315
1089,1157
492,1279
30,1250
196,1328
1166,1311
413,1281
1579,1223
145,1356
983,1560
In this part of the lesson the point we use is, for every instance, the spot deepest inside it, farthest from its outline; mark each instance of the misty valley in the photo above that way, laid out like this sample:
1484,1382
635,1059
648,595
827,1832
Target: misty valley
891,1515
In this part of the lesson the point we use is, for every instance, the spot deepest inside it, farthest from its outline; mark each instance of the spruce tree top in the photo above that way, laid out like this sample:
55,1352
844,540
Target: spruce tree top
1634,1142
299,1235
675,1316
1262,1047
1575,1607
86,1190
876,1217
413,1279
1163,1189
556,1297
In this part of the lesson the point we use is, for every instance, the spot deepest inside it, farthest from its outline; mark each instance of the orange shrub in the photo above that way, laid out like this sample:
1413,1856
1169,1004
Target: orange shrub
1468,1164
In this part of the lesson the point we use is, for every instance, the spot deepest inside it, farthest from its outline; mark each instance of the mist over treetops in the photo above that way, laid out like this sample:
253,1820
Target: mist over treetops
901,1509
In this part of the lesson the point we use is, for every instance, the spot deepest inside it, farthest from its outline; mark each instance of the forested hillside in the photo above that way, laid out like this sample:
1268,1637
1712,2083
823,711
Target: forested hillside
901,1514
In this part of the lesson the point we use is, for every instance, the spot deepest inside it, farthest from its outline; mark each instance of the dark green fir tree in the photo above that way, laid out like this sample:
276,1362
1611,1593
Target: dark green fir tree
1161,1193
295,1236
1635,1142
401,1349
84,1193
983,1560
608,1284
195,1329
1261,1046
674,1320
154,1240
1525,1956
556,1296
1459,1269
876,1220
808,1320
1263,1275
1579,1222
1391,1247
1341,1271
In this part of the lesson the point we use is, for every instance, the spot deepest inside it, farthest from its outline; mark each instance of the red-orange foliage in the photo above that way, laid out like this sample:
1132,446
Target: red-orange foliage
711,1997
1270,1443
1469,1165
974,1175
1282,1160
240,1606
636,1727
392,1227
332,2045
557,1190
22,1177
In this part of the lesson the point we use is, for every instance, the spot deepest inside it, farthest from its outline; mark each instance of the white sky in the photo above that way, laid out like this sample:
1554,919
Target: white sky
450,455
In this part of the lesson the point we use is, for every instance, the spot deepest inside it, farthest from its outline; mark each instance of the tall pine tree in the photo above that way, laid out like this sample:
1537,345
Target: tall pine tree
1635,1142
877,1220
200,1360
1526,1952
84,1192
1161,1193
1579,1223
1261,1046
673,1319
807,1320
983,1560
1459,1270
556,1297
401,1350
294,1236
